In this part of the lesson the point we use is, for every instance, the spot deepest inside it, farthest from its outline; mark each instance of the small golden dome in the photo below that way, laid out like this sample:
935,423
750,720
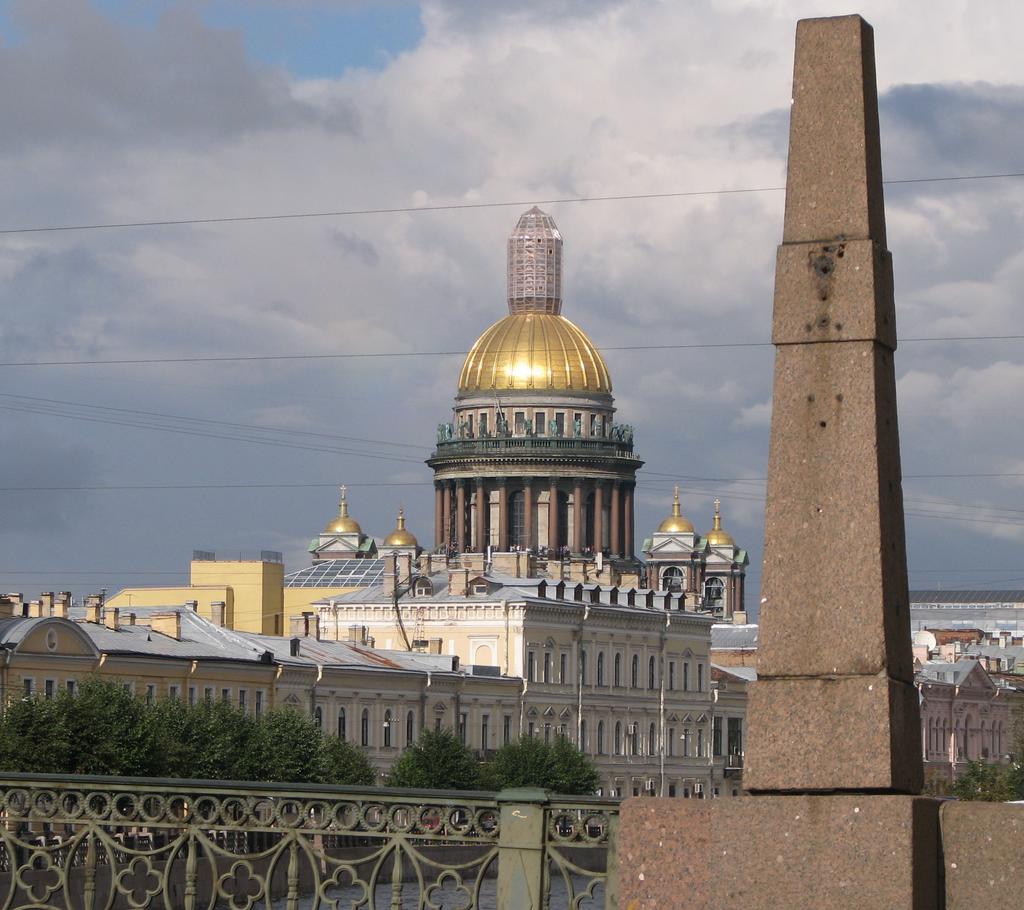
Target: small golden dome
718,537
534,351
676,523
401,537
343,524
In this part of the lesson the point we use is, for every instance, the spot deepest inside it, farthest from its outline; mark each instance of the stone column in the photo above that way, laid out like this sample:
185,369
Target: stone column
438,515
598,515
447,507
615,544
627,512
502,516
483,509
460,514
834,651
553,514
577,516
527,512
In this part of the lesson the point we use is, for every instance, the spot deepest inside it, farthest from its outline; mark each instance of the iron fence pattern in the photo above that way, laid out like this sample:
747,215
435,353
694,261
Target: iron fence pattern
121,843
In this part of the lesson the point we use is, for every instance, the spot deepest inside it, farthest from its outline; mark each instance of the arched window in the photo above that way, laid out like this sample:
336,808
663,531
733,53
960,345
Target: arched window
365,727
672,579
600,737
600,668
409,729
714,593
617,673
341,723
423,588
318,717
651,675
634,672
387,729
583,668
634,739
618,738
652,742
582,745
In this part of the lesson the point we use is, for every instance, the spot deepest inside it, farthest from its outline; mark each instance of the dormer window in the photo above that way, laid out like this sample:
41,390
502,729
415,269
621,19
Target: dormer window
422,588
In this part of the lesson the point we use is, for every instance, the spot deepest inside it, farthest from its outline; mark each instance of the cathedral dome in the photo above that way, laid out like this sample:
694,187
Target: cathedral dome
676,523
534,351
401,537
718,536
343,524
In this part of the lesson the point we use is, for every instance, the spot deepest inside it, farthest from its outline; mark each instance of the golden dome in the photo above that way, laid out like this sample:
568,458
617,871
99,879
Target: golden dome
718,537
534,351
401,537
676,523
343,524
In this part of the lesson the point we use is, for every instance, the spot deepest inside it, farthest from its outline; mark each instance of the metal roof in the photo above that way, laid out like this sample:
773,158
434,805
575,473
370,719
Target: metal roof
337,573
982,596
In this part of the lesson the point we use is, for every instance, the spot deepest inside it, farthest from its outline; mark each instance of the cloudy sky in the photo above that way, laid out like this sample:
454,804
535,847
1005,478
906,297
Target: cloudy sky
141,110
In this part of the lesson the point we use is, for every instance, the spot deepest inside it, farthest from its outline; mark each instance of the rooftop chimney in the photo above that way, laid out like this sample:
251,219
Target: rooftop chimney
112,618
168,624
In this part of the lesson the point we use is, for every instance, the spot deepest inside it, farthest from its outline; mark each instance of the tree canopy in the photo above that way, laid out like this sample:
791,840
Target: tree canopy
105,729
530,762
438,760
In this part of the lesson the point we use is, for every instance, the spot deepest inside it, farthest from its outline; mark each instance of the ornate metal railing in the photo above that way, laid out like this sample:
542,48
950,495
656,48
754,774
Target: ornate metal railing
534,445
100,843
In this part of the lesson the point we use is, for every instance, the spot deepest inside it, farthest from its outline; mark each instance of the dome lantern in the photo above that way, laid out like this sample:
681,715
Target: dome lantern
676,523
535,265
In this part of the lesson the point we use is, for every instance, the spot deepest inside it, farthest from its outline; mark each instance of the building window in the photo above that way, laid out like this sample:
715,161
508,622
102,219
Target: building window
208,694
469,425
483,423
686,676
617,672
577,424
506,729
531,666
686,742
671,675
672,579
243,699
560,423
192,696
600,738
547,733
531,728
716,737
547,666
387,729
517,520
259,702
618,737
651,674
150,694
71,685
563,668
634,739
48,686
600,668
540,423
700,677
364,727
520,423
582,744
735,742
463,718
28,685
714,593
225,696
583,668
700,742
318,717
410,728
671,741
485,737
634,672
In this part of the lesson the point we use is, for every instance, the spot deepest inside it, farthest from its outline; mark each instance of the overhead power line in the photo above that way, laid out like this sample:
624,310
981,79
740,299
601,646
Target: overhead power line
463,206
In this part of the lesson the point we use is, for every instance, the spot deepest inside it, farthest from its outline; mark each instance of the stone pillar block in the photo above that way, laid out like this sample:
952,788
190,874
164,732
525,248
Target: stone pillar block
853,852
815,721
983,851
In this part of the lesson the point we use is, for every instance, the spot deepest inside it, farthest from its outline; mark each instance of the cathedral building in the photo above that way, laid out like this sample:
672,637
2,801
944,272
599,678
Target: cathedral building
534,458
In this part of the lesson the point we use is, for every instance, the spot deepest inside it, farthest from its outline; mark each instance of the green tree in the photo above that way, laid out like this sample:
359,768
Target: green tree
34,737
344,764
211,740
985,782
530,762
285,747
438,760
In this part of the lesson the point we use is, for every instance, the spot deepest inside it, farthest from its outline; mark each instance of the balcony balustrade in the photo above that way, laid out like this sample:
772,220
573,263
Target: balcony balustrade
133,843
534,445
